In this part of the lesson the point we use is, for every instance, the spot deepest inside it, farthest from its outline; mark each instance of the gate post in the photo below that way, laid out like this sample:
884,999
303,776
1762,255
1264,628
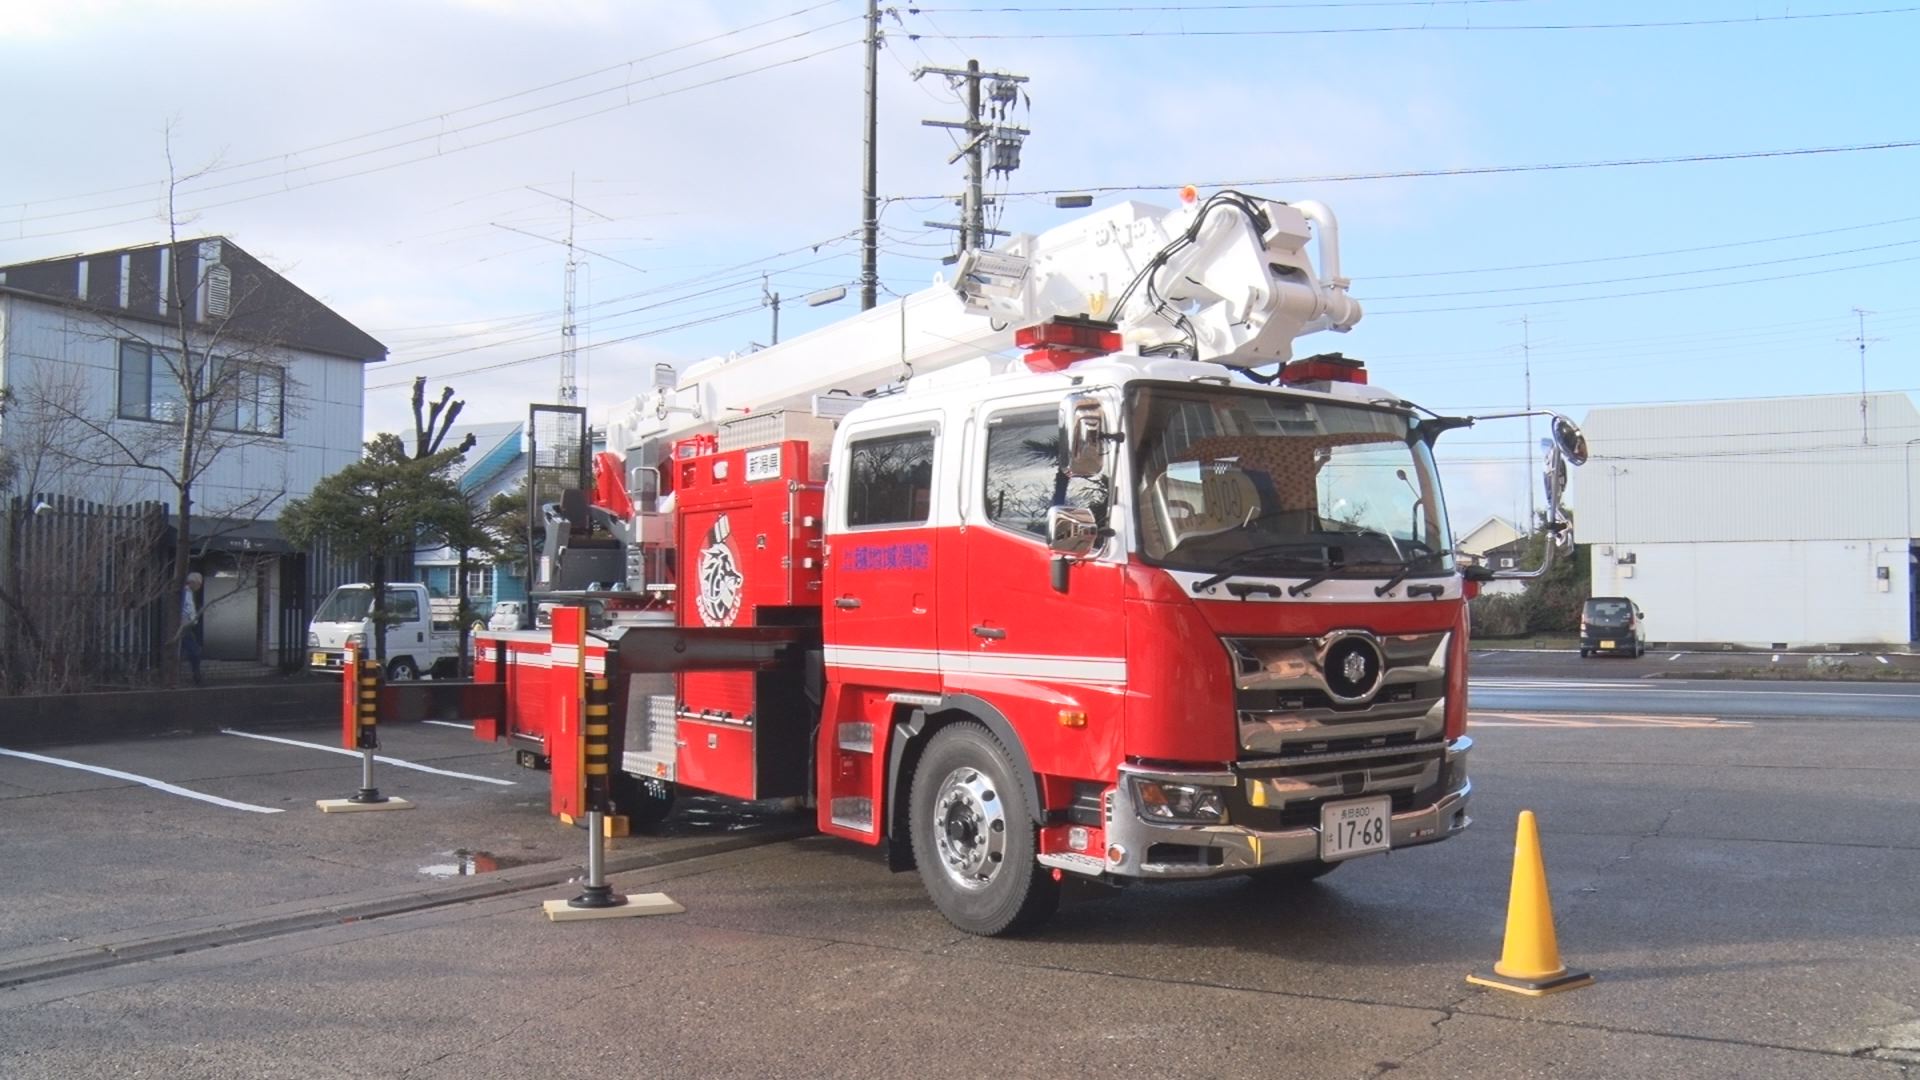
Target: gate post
360,680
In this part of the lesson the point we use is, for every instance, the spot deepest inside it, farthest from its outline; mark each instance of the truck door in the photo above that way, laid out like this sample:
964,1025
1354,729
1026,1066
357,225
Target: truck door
879,578
1037,654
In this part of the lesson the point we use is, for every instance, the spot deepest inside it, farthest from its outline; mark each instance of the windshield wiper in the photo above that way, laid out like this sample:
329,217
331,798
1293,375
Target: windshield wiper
1231,564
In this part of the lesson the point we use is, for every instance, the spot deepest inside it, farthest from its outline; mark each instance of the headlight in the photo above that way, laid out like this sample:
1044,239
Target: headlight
358,641
1192,804
313,641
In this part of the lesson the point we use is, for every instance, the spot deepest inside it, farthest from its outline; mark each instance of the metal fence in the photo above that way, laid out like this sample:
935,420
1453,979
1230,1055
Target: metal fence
82,592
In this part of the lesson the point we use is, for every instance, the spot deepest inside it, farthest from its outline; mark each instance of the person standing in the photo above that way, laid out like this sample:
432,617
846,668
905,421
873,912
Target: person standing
190,624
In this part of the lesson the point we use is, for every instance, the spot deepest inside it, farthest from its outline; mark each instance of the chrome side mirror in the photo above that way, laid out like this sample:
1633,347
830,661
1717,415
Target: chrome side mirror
1072,530
1570,441
1083,437
1566,445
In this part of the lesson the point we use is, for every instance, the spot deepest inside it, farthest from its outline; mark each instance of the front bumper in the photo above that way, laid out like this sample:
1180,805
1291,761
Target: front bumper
332,660
1159,850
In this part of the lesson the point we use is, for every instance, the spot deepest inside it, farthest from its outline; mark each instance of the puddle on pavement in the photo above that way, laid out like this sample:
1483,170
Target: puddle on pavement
464,863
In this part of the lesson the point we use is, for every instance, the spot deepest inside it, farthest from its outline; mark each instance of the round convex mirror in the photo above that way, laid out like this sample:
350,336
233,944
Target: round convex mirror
1570,439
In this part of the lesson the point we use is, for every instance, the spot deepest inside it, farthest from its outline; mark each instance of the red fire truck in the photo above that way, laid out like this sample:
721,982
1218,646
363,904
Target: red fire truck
1064,567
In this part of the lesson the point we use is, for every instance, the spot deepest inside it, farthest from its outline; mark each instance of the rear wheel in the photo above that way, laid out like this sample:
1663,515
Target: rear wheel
402,669
973,836
645,800
1584,653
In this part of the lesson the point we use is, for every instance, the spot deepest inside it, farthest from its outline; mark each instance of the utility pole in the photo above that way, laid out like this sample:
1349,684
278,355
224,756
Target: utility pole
987,131
870,196
1861,339
771,299
1525,322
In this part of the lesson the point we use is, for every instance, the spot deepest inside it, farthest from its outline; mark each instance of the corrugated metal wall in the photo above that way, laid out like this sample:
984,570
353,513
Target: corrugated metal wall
1762,469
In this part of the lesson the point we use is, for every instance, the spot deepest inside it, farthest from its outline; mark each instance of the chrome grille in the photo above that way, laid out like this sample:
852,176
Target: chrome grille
1287,705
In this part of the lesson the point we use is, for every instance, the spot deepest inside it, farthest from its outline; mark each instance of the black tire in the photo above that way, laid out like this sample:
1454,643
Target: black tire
644,800
1290,875
984,878
402,669
1584,653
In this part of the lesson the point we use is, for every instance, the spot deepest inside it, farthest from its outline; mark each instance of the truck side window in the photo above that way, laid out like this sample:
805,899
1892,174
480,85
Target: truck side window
1022,472
890,480
404,606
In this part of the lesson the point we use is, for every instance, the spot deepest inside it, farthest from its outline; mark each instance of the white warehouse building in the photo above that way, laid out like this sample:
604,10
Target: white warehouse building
1770,521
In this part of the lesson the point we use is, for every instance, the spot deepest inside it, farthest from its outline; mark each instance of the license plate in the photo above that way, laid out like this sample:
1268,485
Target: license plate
1607,645
1355,828
319,659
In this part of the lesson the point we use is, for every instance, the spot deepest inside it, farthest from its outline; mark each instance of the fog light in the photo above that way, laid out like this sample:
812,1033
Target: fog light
1191,804
1116,854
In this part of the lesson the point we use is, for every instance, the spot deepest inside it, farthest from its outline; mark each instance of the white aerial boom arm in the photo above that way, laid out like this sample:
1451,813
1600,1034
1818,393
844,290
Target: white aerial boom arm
1224,279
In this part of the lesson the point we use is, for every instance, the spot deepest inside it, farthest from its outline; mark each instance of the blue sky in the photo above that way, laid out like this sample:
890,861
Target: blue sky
700,186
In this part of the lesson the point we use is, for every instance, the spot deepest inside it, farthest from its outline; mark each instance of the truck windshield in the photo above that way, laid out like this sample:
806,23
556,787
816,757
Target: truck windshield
349,603
1266,482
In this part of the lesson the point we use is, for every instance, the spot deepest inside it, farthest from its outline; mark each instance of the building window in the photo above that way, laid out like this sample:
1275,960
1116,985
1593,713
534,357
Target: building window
891,481
480,583
150,381
1023,472
249,397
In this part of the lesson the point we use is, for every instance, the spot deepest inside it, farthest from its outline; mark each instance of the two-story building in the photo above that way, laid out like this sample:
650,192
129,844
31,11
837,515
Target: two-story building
126,371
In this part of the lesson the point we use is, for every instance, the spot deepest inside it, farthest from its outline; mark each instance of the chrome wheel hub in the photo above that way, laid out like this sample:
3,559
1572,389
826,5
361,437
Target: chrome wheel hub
969,828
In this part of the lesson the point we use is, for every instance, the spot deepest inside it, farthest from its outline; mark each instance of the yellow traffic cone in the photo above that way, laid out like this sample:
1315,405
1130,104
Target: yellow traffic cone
1530,962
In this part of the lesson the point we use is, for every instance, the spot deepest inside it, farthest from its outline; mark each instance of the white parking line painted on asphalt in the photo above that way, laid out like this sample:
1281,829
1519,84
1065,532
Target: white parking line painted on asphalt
157,785
1636,686
1675,656
1883,659
449,723
1776,658
415,766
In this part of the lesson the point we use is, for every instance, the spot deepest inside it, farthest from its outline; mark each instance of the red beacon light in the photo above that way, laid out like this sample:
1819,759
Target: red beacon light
1061,342
1326,367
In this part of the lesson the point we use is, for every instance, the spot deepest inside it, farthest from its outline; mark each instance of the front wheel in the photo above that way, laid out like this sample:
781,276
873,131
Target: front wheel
973,836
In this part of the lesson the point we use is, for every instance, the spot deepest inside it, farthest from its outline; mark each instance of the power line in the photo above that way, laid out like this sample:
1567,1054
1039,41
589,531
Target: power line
1434,27
1465,170
1650,277
1642,254
1279,5
755,306
1644,292
443,115
286,187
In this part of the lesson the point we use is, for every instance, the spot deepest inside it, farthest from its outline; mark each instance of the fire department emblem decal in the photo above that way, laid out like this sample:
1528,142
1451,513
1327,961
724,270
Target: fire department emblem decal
1354,667
721,582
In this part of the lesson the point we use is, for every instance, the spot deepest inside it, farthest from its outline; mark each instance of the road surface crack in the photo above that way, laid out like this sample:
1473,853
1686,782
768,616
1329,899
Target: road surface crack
1437,1026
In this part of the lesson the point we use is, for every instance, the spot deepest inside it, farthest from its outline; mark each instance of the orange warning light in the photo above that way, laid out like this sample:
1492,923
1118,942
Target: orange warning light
1189,193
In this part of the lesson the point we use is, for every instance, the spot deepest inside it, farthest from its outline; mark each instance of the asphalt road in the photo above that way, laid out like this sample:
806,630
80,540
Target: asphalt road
1741,889
1705,698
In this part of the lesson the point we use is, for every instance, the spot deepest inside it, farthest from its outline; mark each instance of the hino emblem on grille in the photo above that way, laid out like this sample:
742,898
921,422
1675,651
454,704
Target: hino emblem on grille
1354,667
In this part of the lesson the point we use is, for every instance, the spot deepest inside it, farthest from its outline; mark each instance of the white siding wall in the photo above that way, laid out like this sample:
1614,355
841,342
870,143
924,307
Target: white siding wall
322,421
1800,592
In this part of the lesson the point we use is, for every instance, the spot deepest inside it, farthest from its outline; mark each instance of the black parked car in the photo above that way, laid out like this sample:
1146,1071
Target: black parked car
1613,624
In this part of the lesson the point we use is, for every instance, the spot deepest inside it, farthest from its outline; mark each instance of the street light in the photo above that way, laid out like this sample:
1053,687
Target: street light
827,296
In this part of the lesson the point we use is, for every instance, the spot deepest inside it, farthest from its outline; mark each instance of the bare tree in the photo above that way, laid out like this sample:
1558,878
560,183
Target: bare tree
216,383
